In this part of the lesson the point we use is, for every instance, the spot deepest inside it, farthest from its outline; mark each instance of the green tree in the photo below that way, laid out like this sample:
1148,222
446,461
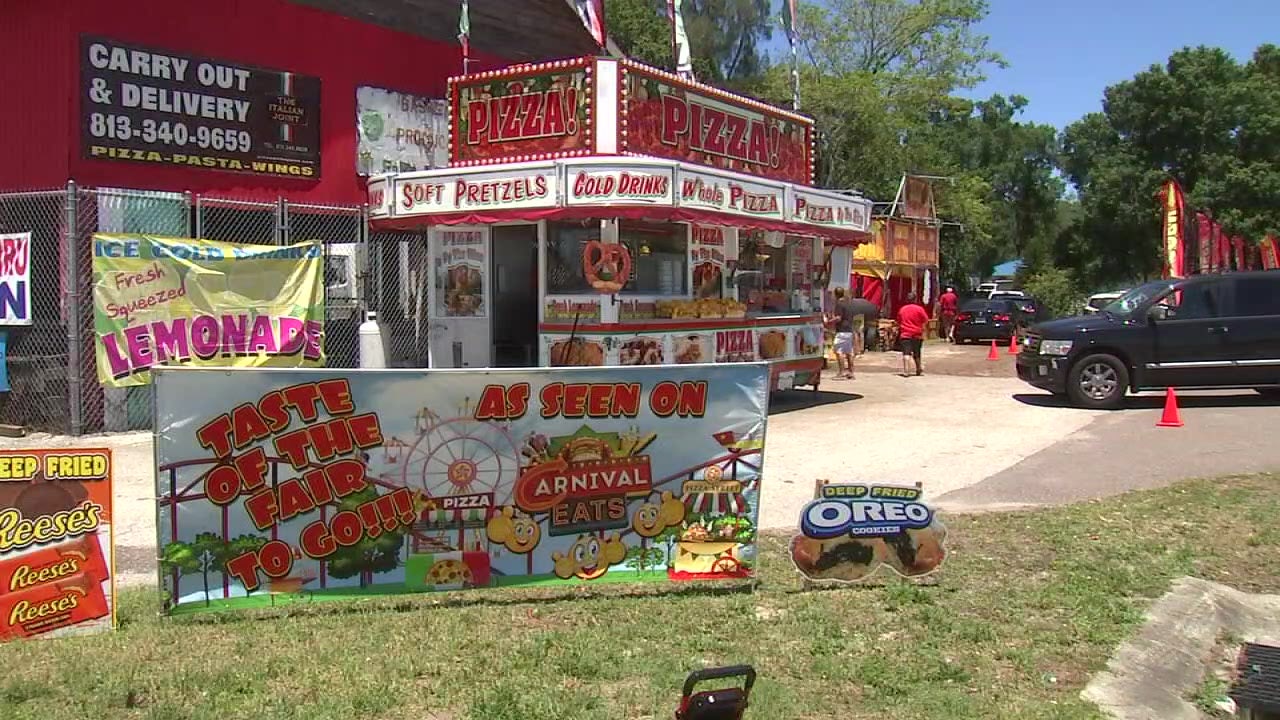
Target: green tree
240,545
878,77
641,30
1202,118
726,37
669,538
1057,289
370,555
206,553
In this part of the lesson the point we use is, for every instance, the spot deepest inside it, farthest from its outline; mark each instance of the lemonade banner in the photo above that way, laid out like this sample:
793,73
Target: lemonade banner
177,301
277,486
56,550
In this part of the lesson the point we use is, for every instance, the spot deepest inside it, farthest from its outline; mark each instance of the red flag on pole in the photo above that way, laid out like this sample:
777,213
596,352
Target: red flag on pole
1270,253
592,14
1204,242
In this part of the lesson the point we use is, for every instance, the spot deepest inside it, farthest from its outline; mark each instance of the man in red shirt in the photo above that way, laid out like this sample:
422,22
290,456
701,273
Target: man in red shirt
912,319
948,305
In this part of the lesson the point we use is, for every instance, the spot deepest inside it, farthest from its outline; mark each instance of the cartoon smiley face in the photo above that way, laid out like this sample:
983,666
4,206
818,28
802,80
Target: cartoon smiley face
656,515
645,521
589,557
516,531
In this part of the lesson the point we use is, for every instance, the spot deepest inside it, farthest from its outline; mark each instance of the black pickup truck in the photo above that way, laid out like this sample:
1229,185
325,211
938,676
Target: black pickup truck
1203,332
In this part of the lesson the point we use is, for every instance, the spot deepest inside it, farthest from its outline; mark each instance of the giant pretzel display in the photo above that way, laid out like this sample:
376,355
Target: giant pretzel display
607,267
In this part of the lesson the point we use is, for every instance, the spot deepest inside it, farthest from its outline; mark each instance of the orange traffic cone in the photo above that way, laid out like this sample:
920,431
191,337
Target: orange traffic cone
1170,417
994,354
1013,344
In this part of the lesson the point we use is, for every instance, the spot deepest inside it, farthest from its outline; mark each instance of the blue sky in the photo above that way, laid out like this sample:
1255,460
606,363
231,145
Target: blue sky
1063,53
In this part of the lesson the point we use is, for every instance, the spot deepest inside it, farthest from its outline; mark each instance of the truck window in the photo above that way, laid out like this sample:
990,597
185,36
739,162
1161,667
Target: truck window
1258,296
1195,301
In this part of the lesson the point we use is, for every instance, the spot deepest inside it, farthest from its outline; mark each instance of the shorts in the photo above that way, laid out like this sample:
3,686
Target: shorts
911,346
844,343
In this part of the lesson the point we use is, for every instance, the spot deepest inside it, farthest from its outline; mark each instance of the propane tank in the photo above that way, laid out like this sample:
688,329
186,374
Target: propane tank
373,351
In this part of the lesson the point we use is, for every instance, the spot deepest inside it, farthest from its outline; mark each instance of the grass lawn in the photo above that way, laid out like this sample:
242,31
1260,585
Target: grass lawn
347,594
1028,605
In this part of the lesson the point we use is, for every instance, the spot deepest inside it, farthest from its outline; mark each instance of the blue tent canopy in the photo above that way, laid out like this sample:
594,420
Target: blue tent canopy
1007,269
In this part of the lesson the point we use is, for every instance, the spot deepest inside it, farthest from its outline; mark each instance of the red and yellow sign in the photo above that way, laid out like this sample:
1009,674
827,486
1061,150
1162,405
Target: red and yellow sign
55,540
521,113
670,118
584,480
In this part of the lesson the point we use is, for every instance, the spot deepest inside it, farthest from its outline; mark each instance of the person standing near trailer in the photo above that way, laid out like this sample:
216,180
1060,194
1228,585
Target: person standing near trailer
912,319
948,307
842,318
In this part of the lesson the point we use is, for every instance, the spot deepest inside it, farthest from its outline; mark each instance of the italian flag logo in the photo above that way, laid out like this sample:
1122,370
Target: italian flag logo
286,89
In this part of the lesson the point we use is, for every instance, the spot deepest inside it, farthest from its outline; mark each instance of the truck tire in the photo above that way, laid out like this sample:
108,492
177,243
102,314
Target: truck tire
1098,382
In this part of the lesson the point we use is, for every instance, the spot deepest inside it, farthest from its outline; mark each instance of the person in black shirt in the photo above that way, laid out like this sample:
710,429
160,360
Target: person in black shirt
842,316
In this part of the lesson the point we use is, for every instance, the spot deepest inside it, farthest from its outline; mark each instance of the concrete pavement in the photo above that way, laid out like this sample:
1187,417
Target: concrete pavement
1223,433
946,432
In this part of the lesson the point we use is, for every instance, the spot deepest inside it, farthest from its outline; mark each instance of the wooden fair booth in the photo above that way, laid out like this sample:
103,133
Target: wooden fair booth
600,212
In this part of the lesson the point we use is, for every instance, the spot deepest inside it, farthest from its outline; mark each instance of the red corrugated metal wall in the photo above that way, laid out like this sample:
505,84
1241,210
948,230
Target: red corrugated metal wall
39,79
36,96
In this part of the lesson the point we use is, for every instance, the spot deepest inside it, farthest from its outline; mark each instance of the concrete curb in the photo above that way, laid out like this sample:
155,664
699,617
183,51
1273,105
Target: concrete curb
1150,675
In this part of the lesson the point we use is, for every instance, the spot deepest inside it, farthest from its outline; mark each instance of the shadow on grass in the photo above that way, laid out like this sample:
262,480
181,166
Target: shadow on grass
484,598
1156,401
793,400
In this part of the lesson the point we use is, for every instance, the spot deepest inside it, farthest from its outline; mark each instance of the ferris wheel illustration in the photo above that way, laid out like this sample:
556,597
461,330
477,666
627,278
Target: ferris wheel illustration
458,455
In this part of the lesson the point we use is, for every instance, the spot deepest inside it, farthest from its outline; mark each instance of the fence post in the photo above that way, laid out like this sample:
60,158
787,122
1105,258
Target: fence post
282,222
199,219
75,400
189,198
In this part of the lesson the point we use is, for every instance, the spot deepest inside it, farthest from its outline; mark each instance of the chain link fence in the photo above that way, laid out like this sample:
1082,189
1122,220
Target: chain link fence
53,377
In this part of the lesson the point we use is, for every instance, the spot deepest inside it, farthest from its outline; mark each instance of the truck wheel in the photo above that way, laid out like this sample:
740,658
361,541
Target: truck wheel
1098,382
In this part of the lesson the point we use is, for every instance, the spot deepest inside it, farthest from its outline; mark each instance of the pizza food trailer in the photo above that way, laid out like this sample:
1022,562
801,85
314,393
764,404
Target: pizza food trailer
601,212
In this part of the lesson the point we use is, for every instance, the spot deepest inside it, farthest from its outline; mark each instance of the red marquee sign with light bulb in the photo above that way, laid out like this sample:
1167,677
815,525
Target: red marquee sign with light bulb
522,112
666,116
600,106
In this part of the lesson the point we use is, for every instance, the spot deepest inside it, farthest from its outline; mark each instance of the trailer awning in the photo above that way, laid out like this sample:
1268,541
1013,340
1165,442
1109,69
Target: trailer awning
630,187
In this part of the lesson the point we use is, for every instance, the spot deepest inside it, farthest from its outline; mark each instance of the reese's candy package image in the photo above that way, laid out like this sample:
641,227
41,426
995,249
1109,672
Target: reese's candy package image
72,601
56,543
53,564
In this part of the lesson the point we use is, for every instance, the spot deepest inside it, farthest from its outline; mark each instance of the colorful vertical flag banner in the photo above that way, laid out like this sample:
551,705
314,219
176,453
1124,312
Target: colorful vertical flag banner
56,558
1270,253
1174,252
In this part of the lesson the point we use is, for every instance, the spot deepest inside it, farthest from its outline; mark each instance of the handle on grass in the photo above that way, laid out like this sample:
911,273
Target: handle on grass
745,671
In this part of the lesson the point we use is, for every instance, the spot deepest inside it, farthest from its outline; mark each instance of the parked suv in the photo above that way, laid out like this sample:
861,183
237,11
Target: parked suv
1208,331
